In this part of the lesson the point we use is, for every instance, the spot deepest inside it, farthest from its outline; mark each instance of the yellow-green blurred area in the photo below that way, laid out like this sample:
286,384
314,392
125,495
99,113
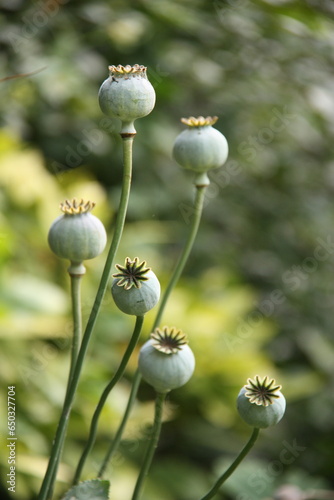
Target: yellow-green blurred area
257,294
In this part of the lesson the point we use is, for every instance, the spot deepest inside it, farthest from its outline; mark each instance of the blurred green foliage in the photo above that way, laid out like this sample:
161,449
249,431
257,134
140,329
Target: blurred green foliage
257,294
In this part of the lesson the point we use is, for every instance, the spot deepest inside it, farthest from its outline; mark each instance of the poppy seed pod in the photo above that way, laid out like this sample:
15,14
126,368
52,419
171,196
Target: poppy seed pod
166,361
200,147
77,235
135,288
260,403
127,94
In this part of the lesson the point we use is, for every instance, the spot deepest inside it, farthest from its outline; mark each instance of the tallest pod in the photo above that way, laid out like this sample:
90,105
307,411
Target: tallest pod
127,94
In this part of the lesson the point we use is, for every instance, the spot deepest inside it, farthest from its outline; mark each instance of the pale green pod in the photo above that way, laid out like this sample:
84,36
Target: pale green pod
200,147
166,361
262,404
135,288
127,94
77,235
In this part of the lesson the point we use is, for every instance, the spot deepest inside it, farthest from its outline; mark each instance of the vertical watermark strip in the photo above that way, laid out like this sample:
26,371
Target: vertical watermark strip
12,439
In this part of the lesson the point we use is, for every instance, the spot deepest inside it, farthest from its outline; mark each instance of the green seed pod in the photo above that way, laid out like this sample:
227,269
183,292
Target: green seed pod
260,403
127,94
200,147
166,361
77,235
135,288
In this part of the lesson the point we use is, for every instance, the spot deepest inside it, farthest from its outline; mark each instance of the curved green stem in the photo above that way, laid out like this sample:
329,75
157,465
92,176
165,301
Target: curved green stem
118,436
76,337
198,208
77,321
151,445
119,372
197,212
47,484
233,466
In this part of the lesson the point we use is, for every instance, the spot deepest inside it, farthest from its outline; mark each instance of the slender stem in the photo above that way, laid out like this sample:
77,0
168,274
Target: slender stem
118,374
77,333
198,209
47,484
118,436
77,321
233,466
151,445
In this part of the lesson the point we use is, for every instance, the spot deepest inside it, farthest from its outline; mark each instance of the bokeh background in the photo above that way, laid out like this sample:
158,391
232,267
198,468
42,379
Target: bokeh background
257,294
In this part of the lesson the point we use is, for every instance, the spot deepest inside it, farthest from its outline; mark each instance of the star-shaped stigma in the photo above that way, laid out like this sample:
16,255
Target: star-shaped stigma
168,340
200,121
74,207
128,69
262,392
132,274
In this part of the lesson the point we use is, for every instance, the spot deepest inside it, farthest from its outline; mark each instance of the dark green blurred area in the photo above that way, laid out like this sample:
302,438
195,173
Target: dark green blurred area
257,294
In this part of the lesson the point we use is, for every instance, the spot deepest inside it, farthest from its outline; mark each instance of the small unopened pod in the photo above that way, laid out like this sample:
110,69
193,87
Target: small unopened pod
135,287
260,403
200,147
166,361
77,235
127,94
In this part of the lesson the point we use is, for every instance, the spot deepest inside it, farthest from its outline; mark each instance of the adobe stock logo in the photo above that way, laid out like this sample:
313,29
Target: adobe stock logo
280,120
221,7
249,149
92,139
292,279
34,20
259,480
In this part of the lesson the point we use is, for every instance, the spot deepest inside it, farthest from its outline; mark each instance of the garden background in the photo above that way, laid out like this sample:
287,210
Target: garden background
257,294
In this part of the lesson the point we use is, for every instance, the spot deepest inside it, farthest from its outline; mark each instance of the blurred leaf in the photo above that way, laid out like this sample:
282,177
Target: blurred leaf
28,293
